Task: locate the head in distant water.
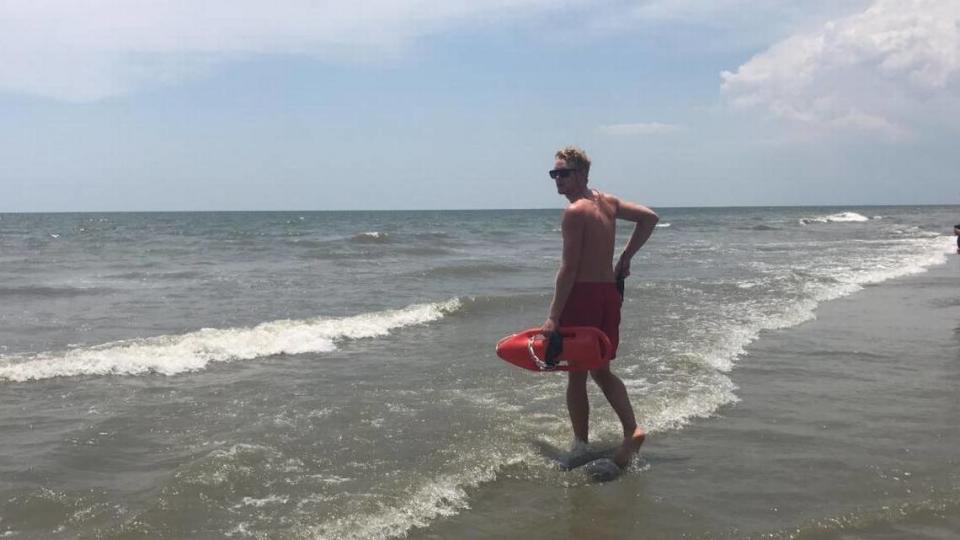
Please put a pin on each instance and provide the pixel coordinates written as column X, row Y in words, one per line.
column 571, row 170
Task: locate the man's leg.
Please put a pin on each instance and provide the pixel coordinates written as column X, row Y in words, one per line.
column 578, row 405
column 616, row 394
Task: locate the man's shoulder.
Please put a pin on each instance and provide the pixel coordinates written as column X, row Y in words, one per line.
column 610, row 199
column 579, row 210
column 577, row 207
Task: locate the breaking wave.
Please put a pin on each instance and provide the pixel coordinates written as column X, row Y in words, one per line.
column 842, row 217
column 194, row 351
column 371, row 237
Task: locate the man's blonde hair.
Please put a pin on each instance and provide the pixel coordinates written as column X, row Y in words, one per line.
column 575, row 157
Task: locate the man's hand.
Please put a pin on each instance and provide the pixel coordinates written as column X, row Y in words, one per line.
column 549, row 327
column 622, row 269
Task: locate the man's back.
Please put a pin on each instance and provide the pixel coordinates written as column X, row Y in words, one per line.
column 599, row 224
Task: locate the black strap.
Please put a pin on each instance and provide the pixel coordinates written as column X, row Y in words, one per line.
column 554, row 349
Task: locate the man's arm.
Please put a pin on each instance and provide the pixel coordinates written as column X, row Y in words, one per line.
column 572, row 228
column 645, row 219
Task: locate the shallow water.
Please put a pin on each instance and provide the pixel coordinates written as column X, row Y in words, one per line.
column 331, row 374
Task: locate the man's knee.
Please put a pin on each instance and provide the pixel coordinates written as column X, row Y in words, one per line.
column 602, row 375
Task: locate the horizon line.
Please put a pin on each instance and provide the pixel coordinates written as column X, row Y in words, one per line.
column 250, row 211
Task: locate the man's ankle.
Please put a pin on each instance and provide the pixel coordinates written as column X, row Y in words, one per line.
column 578, row 445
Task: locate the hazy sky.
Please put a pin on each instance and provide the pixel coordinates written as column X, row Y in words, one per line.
column 407, row 104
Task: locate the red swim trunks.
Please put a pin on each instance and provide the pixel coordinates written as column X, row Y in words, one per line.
column 595, row 304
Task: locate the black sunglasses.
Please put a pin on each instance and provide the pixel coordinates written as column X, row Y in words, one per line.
column 561, row 173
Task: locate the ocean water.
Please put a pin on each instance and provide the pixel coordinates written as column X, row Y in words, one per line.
column 332, row 375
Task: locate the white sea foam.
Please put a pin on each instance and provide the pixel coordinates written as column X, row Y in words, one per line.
column 443, row 496
column 373, row 235
column 662, row 225
column 331, row 479
column 170, row 355
column 707, row 396
column 701, row 402
column 843, row 217
column 260, row 503
column 844, row 282
column 242, row 529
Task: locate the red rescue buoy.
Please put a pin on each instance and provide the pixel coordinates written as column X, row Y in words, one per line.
column 584, row 348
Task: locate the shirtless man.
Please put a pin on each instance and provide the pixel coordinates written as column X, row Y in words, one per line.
column 586, row 292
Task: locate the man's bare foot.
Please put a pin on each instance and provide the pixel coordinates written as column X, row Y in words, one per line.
column 631, row 445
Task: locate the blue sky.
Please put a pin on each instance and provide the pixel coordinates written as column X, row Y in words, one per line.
column 233, row 105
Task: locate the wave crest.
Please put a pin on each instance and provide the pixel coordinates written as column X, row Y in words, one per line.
column 371, row 237
column 842, row 217
column 171, row 355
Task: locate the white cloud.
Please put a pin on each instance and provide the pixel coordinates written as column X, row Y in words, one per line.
column 88, row 50
column 724, row 24
column 648, row 128
column 892, row 69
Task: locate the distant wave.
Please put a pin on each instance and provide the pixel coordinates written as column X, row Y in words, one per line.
column 469, row 270
column 51, row 292
column 915, row 231
column 170, row 355
column 663, row 225
column 306, row 243
column 843, row 217
column 424, row 250
column 371, row 237
column 433, row 235
column 510, row 304
column 760, row 227
column 372, row 252
column 186, row 274
column 372, row 245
